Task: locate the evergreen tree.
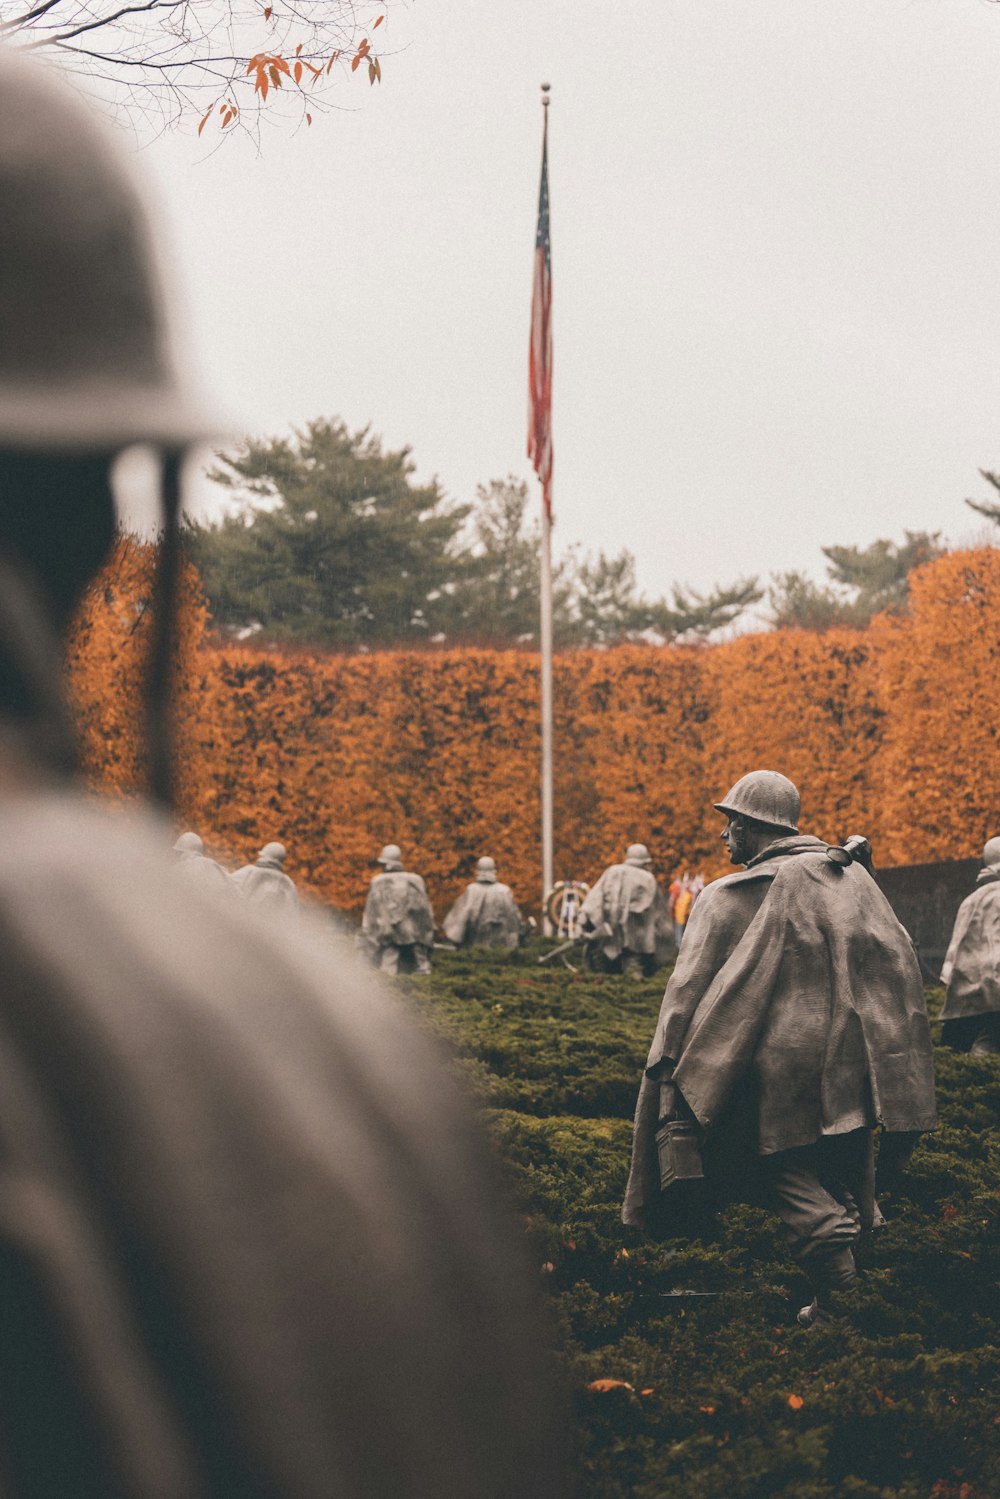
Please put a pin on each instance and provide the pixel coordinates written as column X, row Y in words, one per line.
column 331, row 542
column 989, row 508
column 866, row 581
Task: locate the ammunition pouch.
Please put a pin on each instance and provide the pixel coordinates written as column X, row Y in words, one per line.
column 678, row 1152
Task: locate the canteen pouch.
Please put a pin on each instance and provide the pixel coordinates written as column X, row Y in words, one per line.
column 678, row 1152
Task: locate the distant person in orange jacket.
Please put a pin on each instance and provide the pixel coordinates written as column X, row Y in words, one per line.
column 682, row 909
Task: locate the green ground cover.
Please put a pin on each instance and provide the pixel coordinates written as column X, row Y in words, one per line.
column 722, row 1394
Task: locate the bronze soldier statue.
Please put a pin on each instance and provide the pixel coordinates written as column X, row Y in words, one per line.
column 398, row 924
column 971, row 969
column 626, row 918
column 265, row 882
column 793, row 1025
column 194, row 865
column 250, row 1240
column 486, row 913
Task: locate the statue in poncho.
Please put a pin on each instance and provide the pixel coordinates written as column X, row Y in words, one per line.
column 251, row 1238
column 793, row 1024
column 195, row 867
column 971, row 969
column 398, row 925
column 486, row 913
column 265, row 883
column 627, row 919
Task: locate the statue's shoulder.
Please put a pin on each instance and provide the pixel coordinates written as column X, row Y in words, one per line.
column 730, row 886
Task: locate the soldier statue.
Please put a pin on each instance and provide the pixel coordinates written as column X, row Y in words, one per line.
column 398, row 923
column 486, row 913
column 971, row 969
column 793, row 1025
column 251, row 1239
column 194, row 865
column 265, row 883
column 626, row 918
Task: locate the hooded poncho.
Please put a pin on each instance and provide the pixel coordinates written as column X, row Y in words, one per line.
column 397, row 911
column 266, row 884
column 250, row 1241
column 796, row 983
column 628, row 908
column 485, row 915
column 972, row 964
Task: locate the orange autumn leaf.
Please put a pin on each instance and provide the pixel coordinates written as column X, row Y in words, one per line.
column 602, row 1386
column 796, row 1402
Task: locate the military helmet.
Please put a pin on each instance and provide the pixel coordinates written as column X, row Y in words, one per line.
column 991, row 853
column 766, row 796
column 189, row 843
column 275, row 851
column 637, row 853
column 486, row 870
column 391, row 854
column 85, row 358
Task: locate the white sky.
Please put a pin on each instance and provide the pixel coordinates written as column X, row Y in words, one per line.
column 776, row 265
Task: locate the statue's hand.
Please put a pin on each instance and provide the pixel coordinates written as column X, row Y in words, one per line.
column 668, row 1100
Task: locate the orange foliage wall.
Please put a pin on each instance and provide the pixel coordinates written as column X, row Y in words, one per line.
column 891, row 731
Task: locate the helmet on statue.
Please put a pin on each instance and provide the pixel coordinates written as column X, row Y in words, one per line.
column 767, row 797
column 86, row 364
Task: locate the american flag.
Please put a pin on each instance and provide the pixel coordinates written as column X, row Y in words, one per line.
column 540, row 350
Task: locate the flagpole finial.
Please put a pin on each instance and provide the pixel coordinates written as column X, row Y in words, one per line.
column 545, row 95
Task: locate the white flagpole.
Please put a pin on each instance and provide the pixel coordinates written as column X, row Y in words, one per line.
column 545, row 635
column 546, row 644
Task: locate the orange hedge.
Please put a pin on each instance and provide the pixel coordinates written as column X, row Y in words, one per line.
column 890, row 731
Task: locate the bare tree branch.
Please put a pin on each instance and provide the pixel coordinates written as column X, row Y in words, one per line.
column 250, row 61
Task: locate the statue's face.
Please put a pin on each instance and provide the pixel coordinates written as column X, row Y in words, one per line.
column 734, row 836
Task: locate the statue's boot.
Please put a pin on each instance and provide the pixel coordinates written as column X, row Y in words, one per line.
column 834, row 1276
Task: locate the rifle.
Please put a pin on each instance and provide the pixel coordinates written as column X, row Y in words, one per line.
column 582, row 939
column 576, row 941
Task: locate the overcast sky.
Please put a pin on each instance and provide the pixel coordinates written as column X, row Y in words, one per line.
column 776, row 265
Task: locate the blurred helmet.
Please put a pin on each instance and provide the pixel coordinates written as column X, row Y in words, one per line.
column 486, row 871
column 766, row 796
column 391, row 854
column 991, row 853
column 276, row 852
column 189, row 843
column 85, row 362
column 637, row 853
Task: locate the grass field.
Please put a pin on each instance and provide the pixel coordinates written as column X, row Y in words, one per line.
column 722, row 1394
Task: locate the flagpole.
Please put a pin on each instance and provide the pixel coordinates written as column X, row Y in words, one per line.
column 545, row 636
column 546, row 644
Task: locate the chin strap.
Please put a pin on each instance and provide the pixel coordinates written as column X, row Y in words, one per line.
column 160, row 675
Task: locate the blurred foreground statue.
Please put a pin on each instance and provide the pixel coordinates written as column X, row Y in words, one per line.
column 195, row 865
column 265, row 883
column 626, row 917
column 793, row 1023
column 486, row 913
column 971, row 969
column 398, row 923
column 250, row 1241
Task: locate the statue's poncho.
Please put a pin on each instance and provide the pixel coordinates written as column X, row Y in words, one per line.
column 628, row 908
column 972, row 964
column 397, row 911
column 251, row 1242
column 485, row 915
column 266, row 884
column 794, row 980
column 201, row 872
